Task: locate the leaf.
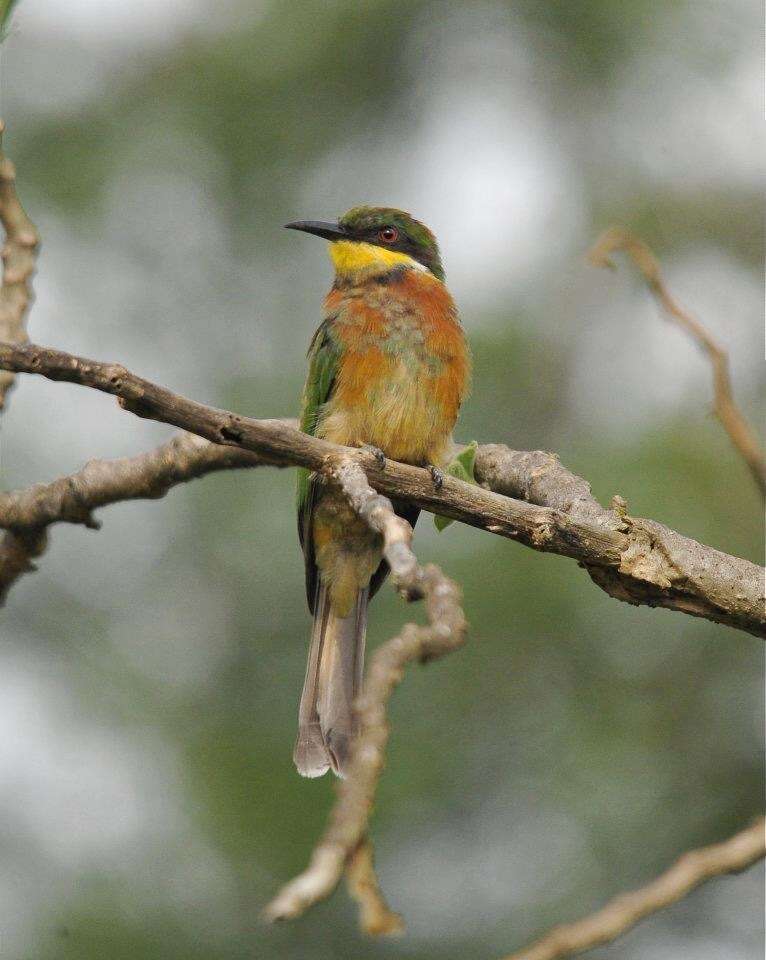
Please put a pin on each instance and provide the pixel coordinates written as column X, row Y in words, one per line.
column 462, row 468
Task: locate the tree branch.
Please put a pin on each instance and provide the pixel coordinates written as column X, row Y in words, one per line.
column 25, row 514
column 658, row 567
column 19, row 256
column 734, row 423
column 528, row 497
column 638, row 561
column 147, row 476
column 444, row 633
column 625, row 911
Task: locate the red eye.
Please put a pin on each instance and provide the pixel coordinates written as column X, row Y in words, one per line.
column 389, row 234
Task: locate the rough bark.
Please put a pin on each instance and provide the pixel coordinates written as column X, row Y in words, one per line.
column 635, row 560
column 19, row 256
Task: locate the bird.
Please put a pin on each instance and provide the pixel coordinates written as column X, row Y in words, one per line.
column 388, row 369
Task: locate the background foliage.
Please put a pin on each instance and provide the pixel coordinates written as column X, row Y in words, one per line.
column 149, row 674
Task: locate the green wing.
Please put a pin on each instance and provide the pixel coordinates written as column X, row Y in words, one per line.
column 324, row 355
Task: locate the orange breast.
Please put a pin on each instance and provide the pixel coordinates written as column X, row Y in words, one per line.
column 404, row 370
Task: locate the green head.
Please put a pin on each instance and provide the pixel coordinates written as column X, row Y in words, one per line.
column 387, row 228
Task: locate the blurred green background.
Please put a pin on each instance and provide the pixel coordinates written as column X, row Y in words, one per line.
column 149, row 674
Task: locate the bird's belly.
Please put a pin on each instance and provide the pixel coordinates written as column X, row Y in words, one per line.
column 405, row 408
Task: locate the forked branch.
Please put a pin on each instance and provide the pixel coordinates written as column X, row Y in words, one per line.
column 444, row 632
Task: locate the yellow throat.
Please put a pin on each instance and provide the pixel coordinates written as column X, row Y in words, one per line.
column 353, row 258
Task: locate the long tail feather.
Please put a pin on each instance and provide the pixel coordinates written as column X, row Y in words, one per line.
column 340, row 678
column 333, row 679
column 310, row 755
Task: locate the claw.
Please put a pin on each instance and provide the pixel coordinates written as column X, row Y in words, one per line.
column 380, row 457
column 437, row 476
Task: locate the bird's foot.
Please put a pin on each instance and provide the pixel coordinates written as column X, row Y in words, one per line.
column 437, row 476
column 380, row 457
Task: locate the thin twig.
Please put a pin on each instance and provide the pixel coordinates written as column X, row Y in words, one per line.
column 635, row 560
column 724, row 406
column 444, row 632
column 19, row 256
column 376, row 918
column 624, row 912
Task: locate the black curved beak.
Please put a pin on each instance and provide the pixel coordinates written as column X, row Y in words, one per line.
column 320, row 228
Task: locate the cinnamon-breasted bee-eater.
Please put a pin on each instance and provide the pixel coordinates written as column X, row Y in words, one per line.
column 388, row 369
